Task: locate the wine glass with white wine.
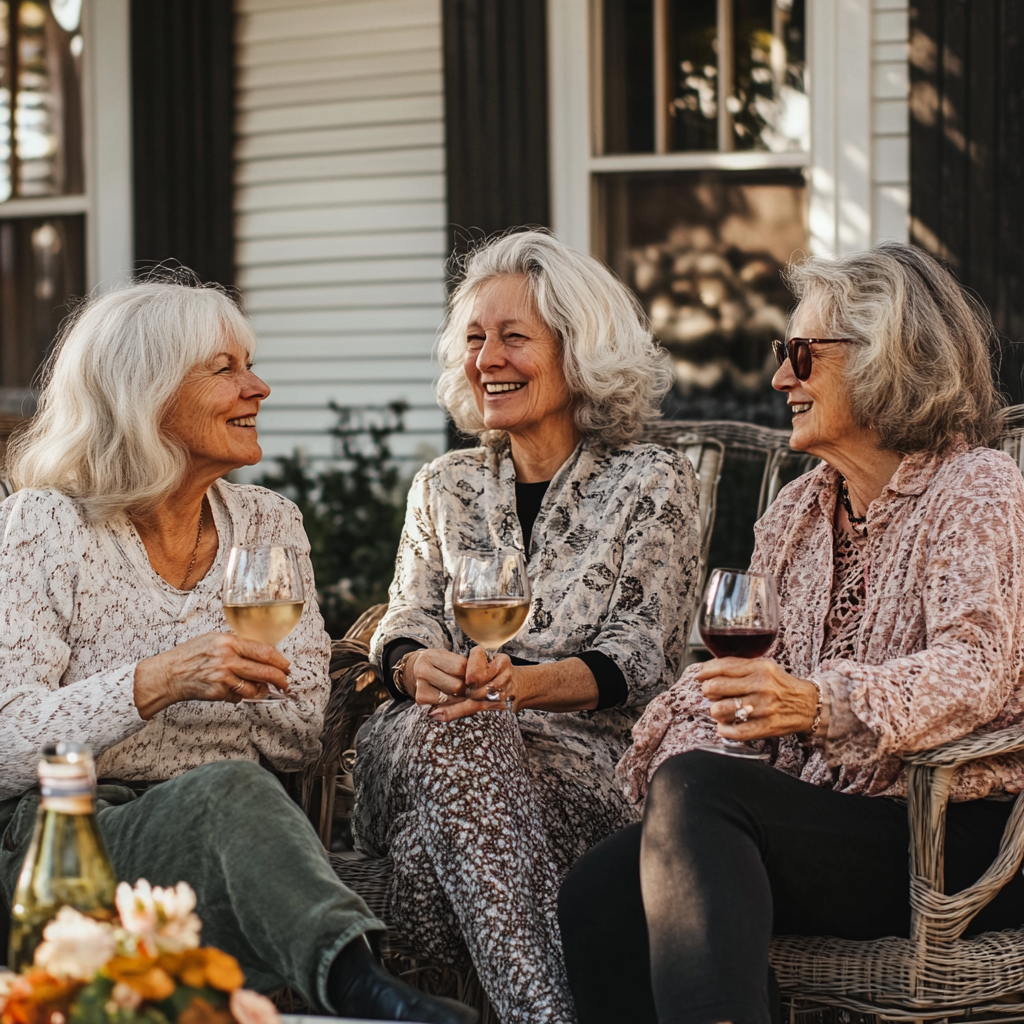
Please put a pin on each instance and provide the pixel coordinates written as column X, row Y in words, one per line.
column 491, row 600
column 263, row 597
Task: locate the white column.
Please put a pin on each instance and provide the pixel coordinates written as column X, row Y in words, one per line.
column 569, row 114
column 841, row 144
column 108, row 141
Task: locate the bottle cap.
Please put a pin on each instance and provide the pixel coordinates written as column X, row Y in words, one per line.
column 66, row 772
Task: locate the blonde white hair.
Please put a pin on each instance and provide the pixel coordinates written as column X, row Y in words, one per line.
column 615, row 371
column 921, row 374
column 98, row 435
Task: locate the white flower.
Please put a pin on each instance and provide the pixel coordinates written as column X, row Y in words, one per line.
column 75, row 946
column 123, row 997
column 161, row 919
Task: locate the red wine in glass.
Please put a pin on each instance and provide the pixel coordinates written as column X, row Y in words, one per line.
column 737, row 642
column 739, row 618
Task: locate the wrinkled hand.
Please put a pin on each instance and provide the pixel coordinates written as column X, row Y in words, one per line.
column 776, row 702
column 480, row 677
column 433, row 675
column 216, row 666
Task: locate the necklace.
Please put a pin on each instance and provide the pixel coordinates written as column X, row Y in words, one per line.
column 854, row 520
column 195, row 550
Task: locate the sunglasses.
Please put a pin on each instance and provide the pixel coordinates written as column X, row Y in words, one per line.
column 798, row 351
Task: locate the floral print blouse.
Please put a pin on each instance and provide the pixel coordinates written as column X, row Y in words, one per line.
column 613, row 560
column 80, row 605
column 939, row 646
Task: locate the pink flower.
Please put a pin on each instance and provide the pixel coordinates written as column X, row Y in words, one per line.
column 248, row 1007
column 75, row 946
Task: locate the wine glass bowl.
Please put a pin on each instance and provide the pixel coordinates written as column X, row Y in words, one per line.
column 263, row 596
column 739, row 618
column 491, row 598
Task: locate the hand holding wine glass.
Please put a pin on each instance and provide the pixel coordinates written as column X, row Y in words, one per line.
column 739, row 618
column 491, row 601
column 263, row 596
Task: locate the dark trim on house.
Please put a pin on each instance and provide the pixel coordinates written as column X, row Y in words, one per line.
column 967, row 154
column 182, row 56
column 496, row 116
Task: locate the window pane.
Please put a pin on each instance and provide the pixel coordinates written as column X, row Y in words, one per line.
column 40, row 98
column 704, row 252
column 693, row 66
column 768, row 102
column 628, row 76
column 42, row 264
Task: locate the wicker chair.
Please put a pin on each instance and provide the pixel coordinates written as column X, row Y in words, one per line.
column 935, row 973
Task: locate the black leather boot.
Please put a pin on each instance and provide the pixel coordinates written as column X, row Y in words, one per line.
column 360, row 987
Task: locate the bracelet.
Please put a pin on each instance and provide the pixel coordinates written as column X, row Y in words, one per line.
column 818, row 708
column 398, row 671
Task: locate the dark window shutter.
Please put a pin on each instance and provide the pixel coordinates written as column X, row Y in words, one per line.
column 496, row 118
column 967, row 154
column 183, row 127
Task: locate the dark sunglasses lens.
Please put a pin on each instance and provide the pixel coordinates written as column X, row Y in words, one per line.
column 801, row 355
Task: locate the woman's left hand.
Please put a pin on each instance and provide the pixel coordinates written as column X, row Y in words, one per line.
column 773, row 702
column 482, row 676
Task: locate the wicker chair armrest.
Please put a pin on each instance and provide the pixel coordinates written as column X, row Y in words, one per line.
column 971, row 748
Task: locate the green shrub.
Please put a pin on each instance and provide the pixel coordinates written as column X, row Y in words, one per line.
column 353, row 513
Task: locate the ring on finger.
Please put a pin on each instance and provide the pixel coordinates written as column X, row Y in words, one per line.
column 493, row 695
column 442, row 698
column 743, row 712
column 238, row 688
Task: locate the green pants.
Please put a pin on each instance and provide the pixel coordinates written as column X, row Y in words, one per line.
column 265, row 888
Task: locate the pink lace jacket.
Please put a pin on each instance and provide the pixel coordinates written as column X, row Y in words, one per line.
column 940, row 646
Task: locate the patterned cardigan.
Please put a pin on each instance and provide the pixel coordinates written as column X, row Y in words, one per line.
column 613, row 562
column 940, row 645
column 80, row 605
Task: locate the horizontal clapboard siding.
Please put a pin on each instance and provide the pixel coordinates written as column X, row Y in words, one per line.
column 890, row 121
column 341, row 219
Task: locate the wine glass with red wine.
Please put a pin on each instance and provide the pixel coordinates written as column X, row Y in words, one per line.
column 739, row 618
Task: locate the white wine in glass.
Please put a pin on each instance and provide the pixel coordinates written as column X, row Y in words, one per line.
column 263, row 597
column 491, row 599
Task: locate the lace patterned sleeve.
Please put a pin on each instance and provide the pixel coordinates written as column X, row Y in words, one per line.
column 648, row 621
column 416, row 598
column 973, row 609
column 37, row 602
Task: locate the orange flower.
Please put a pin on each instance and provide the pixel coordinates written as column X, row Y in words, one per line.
column 143, row 974
column 34, row 998
column 206, row 966
column 199, row 1011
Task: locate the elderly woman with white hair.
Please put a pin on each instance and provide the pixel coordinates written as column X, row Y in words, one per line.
column 112, row 634
column 900, row 567
column 549, row 360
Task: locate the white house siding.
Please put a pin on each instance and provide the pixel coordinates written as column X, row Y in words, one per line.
column 341, row 218
column 890, row 120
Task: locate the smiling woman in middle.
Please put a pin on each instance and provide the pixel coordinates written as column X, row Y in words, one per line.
column 548, row 359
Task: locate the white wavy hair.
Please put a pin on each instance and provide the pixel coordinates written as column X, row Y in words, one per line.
column 119, row 361
column 615, row 371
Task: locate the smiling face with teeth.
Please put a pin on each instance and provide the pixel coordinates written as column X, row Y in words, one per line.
column 214, row 414
column 513, row 361
column 823, row 422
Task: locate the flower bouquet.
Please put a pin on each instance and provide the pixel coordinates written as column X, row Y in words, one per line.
column 148, row 968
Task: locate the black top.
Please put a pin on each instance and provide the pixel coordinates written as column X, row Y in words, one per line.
column 611, row 684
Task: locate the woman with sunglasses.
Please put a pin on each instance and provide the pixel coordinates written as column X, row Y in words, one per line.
column 900, row 568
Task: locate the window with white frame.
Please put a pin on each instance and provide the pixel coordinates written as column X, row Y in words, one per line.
column 699, row 126
column 42, row 182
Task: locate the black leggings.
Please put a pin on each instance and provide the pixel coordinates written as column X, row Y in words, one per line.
column 669, row 921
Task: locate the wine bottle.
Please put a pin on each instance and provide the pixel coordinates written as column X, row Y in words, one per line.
column 67, row 862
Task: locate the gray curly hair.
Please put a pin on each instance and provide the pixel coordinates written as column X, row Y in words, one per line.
column 616, row 372
column 922, row 373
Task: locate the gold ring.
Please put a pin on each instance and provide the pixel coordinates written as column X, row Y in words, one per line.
column 442, row 698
